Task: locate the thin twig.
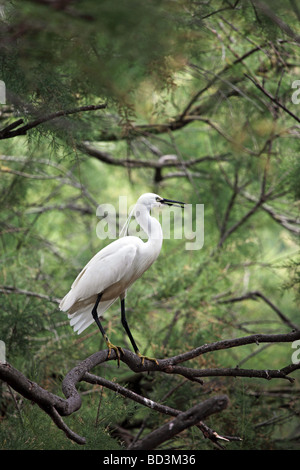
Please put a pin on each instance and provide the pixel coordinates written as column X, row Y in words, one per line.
column 252, row 296
column 272, row 98
column 16, row 290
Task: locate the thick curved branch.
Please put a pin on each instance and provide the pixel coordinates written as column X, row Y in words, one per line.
column 56, row 407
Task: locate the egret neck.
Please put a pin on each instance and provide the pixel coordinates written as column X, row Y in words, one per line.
column 151, row 227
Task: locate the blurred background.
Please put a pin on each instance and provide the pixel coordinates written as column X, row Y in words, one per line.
column 191, row 100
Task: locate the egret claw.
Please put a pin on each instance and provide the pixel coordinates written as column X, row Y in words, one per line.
column 117, row 349
column 146, row 357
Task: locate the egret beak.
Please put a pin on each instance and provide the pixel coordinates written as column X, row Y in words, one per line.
column 170, row 202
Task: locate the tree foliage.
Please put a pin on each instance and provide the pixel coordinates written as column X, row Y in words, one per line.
column 194, row 101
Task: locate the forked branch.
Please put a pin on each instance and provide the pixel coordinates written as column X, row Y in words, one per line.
column 56, row 406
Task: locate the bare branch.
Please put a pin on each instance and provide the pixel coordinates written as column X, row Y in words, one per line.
column 8, row 132
column 230, row 205
column 165, row 161
column 272, row 98
column 56, row 418
column 252, row 296
column 207, row 432
column 56, row 406
column 16, row 290
column 263, row 197
column 266, row 10
column 85, row 210
column 182, row 421
column 232, row 343
column 295, row 8
column 240, row 222
column 287, row 221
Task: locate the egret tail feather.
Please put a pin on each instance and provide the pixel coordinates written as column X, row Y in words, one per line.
column 82, row 318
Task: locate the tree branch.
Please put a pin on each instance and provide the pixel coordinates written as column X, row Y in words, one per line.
column 56, row 407
column 16, row 290
column 292, row 224
column 165, row 161
column 207, row 432
column 253, row 295
column 8, row 132
column 182, row 421
column 240, row 222
column 232, row 343
column 272, row 98
column 263, row 197
column 266, row 10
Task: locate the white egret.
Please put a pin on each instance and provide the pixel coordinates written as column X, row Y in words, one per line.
column 109, row 274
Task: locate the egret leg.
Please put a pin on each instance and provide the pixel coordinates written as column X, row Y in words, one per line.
column 126, row 327
column 109, row 344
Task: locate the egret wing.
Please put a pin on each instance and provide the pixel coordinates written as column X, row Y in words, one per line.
column 107, row 267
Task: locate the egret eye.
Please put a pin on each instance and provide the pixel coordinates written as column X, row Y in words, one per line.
column 158, row 199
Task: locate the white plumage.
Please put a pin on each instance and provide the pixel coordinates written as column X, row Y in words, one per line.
column 109, row 274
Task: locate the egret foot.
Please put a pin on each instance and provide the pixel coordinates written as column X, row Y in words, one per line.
column 146, row 357
column 117, row 349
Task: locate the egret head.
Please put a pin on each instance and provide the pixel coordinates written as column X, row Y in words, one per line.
column 144, row 204
column 150, row 200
